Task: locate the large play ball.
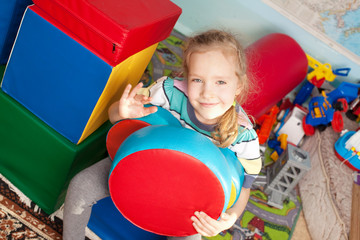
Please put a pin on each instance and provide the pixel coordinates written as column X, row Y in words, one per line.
column 236, row 173
column 121, row 130
column 162, row 174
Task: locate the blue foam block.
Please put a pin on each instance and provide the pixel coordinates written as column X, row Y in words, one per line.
column 107, row 223
column 55, row 77
column 11, row 13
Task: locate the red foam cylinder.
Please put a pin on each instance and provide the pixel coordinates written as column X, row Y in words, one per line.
column 276, row 65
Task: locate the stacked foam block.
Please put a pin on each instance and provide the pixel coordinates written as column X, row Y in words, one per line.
column 10, row 16
column 70, row 61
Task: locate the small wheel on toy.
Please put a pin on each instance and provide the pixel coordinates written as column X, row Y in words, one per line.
column 309, row 130
column 337, row 123
column 321, row 127
column 350, row 115
column 341, row 105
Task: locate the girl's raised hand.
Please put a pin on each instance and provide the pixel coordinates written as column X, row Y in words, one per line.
column 131, row 105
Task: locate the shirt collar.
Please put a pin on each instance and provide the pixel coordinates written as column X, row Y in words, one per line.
column 193, row 118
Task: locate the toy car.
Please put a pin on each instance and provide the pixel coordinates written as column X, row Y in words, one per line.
column 326, row 109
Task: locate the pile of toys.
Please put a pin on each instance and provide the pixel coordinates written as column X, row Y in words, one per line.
column 283, row 128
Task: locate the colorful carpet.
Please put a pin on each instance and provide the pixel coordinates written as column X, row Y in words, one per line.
column 18, row 221
column 261, row 221
column 166, row 61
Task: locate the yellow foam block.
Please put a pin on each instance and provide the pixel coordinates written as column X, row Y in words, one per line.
column 128, row 71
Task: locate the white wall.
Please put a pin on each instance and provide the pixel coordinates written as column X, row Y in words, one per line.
column 254, row 19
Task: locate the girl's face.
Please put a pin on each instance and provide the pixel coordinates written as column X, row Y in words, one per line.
column 212, row 84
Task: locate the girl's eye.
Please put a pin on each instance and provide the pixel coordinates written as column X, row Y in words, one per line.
column 221, row 82
column 197, row 80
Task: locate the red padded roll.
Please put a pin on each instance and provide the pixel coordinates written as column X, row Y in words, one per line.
column 276, row 64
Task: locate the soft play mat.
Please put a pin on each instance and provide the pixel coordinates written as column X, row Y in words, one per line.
column 261, row 221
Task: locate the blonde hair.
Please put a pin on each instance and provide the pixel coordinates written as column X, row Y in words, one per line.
column 226, row 130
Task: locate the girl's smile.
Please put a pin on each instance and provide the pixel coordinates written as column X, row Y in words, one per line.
column 209, row 105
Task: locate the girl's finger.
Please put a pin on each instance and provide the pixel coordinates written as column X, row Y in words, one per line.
column 207, row 221
column 146, row 100
column 149, row 110
column 200, row 228
column 125, row 94
column 135, row 90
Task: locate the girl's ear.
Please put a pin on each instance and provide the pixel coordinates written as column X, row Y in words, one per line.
column 238, row 89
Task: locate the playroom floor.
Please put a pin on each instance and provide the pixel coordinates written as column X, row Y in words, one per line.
column 301, row 231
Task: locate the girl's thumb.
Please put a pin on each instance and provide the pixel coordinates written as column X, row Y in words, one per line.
column 224, row 216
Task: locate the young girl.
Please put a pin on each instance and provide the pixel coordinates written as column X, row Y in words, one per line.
column 207, row 102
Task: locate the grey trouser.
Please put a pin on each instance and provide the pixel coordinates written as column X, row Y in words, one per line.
column 85, row 189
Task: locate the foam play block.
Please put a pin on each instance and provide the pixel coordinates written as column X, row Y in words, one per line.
column 276, row 64
column 108, row 223
column 11, row 13
column 61, row 81
column 39, row 161
column 2, row 69
column 115, row 29
column 159, row 178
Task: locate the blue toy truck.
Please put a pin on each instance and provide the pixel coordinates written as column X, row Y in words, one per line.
column 326, row 109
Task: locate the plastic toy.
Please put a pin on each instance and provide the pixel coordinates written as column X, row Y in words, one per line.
column 285, row 174
column 279, row 145
column 158, row 178
column 316, row 78
column 327, row 108
column 292, row 125
column 347, row 149
column 353, row 112
column 266, row 123
column 320, row 73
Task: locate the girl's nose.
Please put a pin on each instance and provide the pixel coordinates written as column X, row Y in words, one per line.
column 207, row 90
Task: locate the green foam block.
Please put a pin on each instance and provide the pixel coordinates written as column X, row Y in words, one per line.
column 39, row 161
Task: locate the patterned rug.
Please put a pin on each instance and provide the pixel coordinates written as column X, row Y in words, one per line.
column 18, row 221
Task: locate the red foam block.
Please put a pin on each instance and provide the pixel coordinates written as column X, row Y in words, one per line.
column 115, row 29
